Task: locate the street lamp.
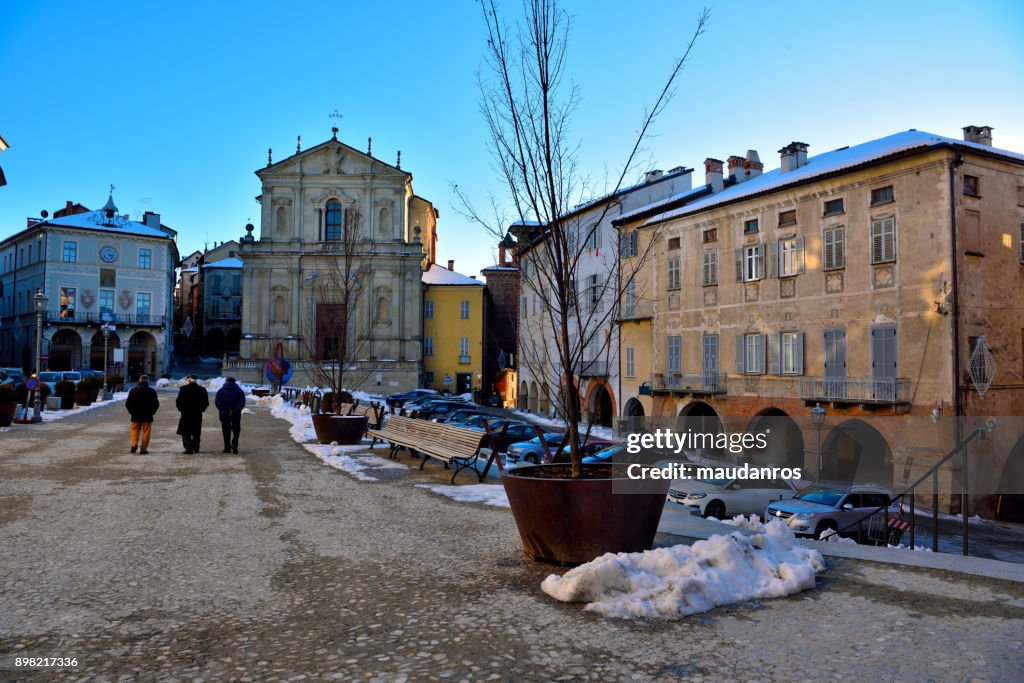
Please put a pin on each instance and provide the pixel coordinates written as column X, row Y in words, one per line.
column 106, row 342
column 818, row 418
column 40, row 300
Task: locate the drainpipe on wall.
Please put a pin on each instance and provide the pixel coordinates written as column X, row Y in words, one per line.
column 957, row 400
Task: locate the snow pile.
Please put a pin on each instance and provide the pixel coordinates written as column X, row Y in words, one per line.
column 338, row 457
column 832, row 536
column 751, row 523
column 684, row 580
column 164, row 382
column 558, row 424
column 300, row 419
column 488, row 494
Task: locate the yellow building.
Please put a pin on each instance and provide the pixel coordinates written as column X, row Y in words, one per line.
column 453, row 330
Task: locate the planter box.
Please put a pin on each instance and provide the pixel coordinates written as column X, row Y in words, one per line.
column 84, row 397
column 342, row 429
column 571, row 521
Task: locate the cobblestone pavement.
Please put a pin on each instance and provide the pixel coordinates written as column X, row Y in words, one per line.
column 269, row 566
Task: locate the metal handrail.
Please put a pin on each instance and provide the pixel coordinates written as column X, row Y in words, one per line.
column 933, row 472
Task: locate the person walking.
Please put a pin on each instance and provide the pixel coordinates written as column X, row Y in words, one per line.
column 142, row 404
column 230, row 400
column 192, row 402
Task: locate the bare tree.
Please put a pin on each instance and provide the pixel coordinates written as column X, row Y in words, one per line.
column 528, row 106
column 339, row 325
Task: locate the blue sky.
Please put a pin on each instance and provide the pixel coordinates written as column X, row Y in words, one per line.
column 177, row 103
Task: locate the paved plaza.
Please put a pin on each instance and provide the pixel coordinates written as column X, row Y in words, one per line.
column 270, row 566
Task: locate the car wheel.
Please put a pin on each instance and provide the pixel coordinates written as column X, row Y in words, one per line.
column 827, row 525
column 716, row 509
column 531, row 458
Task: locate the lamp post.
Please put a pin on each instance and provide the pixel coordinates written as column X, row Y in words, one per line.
column 40, row 300
column 106, row 343
column 818, row 418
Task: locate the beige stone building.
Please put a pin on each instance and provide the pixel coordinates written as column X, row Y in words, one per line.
column 873, row 280
column 309, row 203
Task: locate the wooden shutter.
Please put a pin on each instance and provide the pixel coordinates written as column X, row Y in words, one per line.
column 740, row 348
column 759, row 263
column 762, row 342
column 798, row 257
column 774, row 354
column 883, row 240
column 828, row 249
column 774, row 259
column 739, row 265
column 799, row 353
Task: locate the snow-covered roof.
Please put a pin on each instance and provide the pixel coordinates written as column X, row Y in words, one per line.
column 438, row 275
column 680, row 196
column 96, row 220
column 498, row 268
column 230, row 262
column 823, row 164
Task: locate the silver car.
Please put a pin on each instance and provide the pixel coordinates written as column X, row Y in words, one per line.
column 721, row 498
column 824, row 507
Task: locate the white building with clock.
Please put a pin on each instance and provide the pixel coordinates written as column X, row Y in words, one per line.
column 97, row 270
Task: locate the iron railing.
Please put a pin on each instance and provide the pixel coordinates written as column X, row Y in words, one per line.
column 845, row 390
column 705, row 383
column 594, row 368
column 133, row 319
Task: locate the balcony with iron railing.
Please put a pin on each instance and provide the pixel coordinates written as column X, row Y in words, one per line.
column 130, row 319
column 888, row 390
column 709, row 383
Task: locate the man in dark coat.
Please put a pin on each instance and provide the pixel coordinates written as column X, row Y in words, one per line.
column 193, row 400
column 230, row 400
column 142, row 405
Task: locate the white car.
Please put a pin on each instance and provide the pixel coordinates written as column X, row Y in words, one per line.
column 722, row 498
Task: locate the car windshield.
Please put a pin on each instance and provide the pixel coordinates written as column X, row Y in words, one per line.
column 819, row 494
column 715, row 482
column 49, row 376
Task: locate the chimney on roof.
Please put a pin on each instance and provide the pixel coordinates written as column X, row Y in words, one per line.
column 713, row 174
column 736, row 168
column 794, row 155
column 979, row 134
column 68, row 206
column 752, row 164
column 651, row 176
column 151, row 219
column 677, row 169
column 451, row 265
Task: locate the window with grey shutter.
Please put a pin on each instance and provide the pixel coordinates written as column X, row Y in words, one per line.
column 710, row 268
column 833, row 245
column 774, row 354
column 791, row 347
column 740, row 349
column 675, row 354
column 673, row 273
column 883, row 240
column 1021, row 243
column 739, row 265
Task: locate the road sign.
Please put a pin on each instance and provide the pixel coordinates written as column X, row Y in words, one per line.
column 447, row 379
column 32, row 384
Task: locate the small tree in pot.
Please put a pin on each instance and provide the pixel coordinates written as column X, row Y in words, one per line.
column 65, row 391
column 528, row 115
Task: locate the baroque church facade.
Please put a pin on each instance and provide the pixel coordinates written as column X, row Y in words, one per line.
column 332, row 214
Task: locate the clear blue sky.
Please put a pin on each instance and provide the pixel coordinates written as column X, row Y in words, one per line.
column 177, row 103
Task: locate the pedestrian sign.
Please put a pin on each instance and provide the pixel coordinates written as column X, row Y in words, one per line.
column 447, row 379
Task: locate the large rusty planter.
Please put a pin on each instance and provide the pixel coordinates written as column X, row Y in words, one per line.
column 7, row 411
column 342, row 429
column 571, row 521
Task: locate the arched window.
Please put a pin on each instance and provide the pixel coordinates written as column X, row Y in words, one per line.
column 332, row 222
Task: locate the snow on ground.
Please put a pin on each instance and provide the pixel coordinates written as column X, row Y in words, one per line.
column 334, row 455
column 51, row 415
column 689, row 579
column 488, row 494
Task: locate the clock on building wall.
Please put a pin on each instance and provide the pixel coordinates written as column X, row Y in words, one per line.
column 108, row 254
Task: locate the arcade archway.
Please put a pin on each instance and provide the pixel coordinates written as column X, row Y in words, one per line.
column 856, row 452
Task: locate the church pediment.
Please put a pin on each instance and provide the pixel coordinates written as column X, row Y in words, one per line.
column 333, row 158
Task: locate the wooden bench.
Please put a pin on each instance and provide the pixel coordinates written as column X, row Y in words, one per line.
column 447, row 443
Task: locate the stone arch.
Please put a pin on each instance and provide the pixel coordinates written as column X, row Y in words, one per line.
column 533, row 402
column 1009, row 498
column 524, row 395
column 854, row 451
column 785, row 439
column 141, row 355
column 699, row 417
column 634, row 414
column 65, row 350
column 97, row 348
column 600, row 403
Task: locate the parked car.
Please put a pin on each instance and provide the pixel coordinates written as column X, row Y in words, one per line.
column 12, row 375
column 591, row 447
column 422, row 404
column 71, row 376
column 532, row 451
column 727, row 497
column 50, row 379
column 400, row 399
column 437, row 409
column 89, row 372
column 504, row 433
column 822, row 507
column 458, row 416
